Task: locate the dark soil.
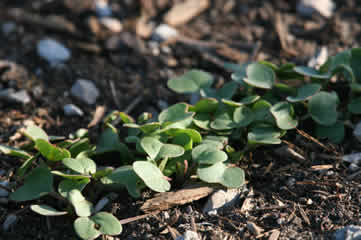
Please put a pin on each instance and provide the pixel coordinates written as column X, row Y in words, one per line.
column 289, row 195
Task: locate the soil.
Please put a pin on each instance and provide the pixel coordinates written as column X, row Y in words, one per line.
column 288, row 195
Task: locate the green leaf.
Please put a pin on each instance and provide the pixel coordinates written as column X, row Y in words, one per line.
column 151, row 175
column 323, row 108
column 82, row 207
column 283, row 113
column 202, row 120
column 80, row 146
column 174, row 113
column 334, row 133
column 124, row 176
column 193, row 134
column 223, row 118
column 108, row 224
column 10, row 151
column 67, row 185
column 34, row 133
column 226, row 92
column 310, row 72
column 355, row 106
column 108, row 141
column 355, row 87
column 264, row 135
column 85, row 228
column 231, row 177
column 183, row 140
column 207, row 154
column 261, row 111
column 218, row 141
column 146, row 128
column 50, row 151
column 205, row 105
column 46, row 210
column 242, row 116
column 356, row 63
column 158, row 150
column 26, row 164
column 342, row 58
column 259, row 75
column 305, row 92
column 190, row 82
column 37, row 184
column 102, row 172
column 70, row 176
column 84, row 166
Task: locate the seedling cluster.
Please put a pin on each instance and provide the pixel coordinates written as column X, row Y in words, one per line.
column 200, row 142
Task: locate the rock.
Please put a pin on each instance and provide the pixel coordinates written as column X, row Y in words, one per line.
column 72, row 110
column 357, row 131
column 14, row 75
column 102, row 8
column 10, row 95
column 9, row 221
column 8, row 27
column 112, row 24
column 350, row 232
column 253, row 228
column 162, row 104
column 189, row 235
column 221, row 199
column 354, row 158
column 184, row 11
column 308, row 7
column 53, row 51
column 319, row 59
column 164, row 32
column 4, row 192
column 85, row 91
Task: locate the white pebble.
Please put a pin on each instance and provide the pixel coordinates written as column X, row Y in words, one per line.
column 307, row 7
column 112, row 24
column 102, row 8
column 85, row 91
column 53, row 51
column 164, row 32
column 72, row 110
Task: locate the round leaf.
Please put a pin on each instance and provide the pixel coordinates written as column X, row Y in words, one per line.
column 323, row 108
column 151, row 175
column 310, row 72
column 34, row 133
column 264, row 135
column 283, row 112
column 305, row 92
column 190, row 82
column 177, row 112
column 83, row 207
column 259, row 75
column 46, row 210
column 14, row 152
column 67, row 185
column 51, row 152
column 38, row 183
column 202, row 120
column 207, row 154
column 84, row 166
column 355, row 106
column 334, row 133
column 205, row 105
column 108, row 224
column 242, row 116
column 85, row 228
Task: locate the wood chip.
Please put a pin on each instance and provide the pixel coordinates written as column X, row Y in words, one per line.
column 183, row 12
column 275, row 235
column 247, row 203
column 97, row 117
column 282, row 32
column 304, row 216
column 321, row 167
column 253, row 228
column 167, row 200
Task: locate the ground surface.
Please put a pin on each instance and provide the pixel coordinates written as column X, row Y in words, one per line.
column 289, row 195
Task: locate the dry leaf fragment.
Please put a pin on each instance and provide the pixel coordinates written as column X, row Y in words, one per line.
column 167, row 200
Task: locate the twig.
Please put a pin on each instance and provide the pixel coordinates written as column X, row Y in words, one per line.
column 133, row 104
column 282, row 35
column 136, row 218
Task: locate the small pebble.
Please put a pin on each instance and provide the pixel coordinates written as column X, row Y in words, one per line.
column 102, row 8
column 357, row 131
column 10, row 95
column 72, row 110
column 112, row 24
column 4, row 192
column 350, row 232
column 308, row 7
column 53, row 51
column 162, row 104
column 189, row 235
column 220, row 199
column 9, row 221
column 163, row 32
column 85, row 91
column 8, row 27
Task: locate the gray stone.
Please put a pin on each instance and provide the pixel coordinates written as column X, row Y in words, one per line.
column 9, row 221
column 8, row 27
column 350, row 232
column 164, row 32
column 85, row 91
column 221, row 199
column 53, row 51
column 112, row 24
column 4, row 192
column 354, row 158
column 72, row 110
column 10, row 95
column 102, row 8
column 189, row 235
column 357, row 131
column 308, row 7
